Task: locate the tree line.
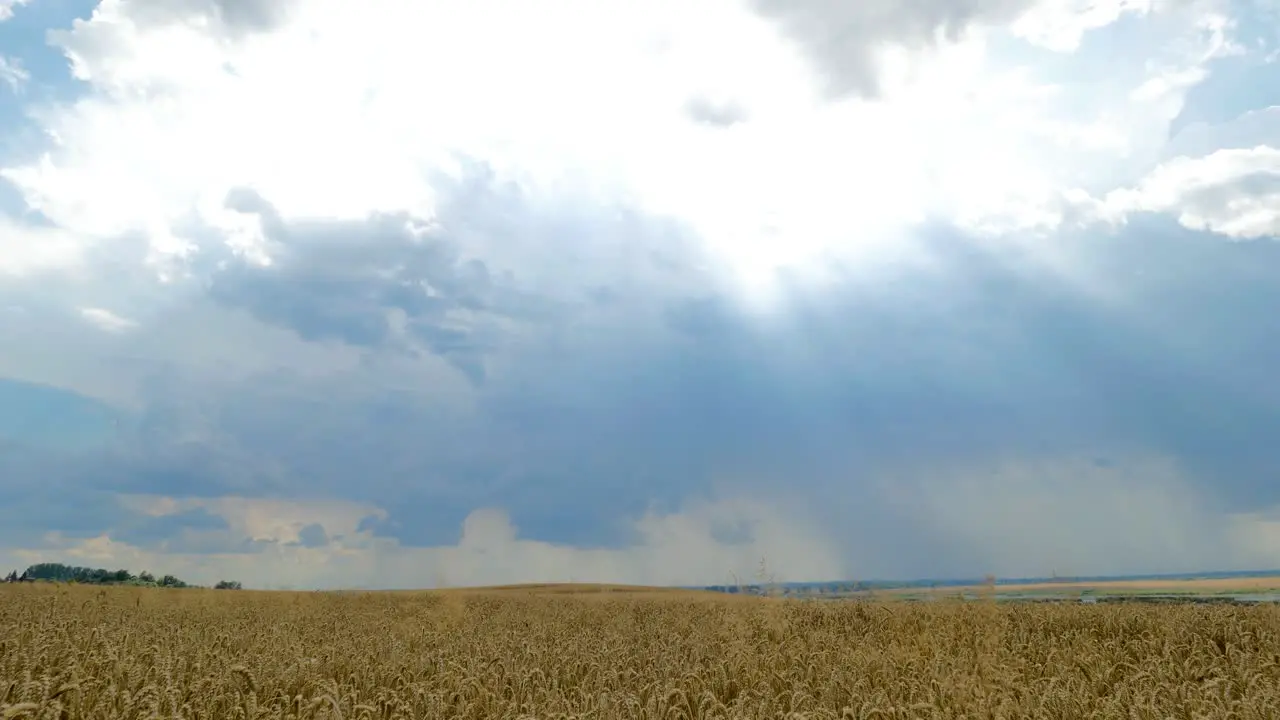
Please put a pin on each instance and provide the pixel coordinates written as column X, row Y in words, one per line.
column 57, row 572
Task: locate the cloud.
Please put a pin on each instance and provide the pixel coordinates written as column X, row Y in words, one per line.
column 854, row 44
column 862, row 397
column 1073, row 515
column 843, row 38
column 718, row 114
column 7, row 8
column 231, row 15
column 397, row 280
column 106, row 320
column 670, row 295
column 31, row 250
column 1060, row 25
column 13, row 74
column 1027, row 137
column 46, row 416
column 260, row 548
column 1231, row 192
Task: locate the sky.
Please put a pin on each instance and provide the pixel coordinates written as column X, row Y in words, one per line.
column 410, row 293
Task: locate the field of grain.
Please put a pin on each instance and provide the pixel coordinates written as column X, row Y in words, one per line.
column 79, row 652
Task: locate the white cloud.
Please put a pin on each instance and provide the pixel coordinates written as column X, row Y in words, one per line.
column 7, row 7
column 13, row 74
column 1059, row 25
column 106, row 320
column 1233, row 192
column 343, row 111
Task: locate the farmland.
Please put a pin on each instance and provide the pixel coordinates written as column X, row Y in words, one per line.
column 546, row 651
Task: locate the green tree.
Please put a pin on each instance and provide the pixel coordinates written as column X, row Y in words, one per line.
column 57, row 572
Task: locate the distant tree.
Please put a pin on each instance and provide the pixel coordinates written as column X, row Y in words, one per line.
column 227, row 585
column 57, row 572
column 11, row 577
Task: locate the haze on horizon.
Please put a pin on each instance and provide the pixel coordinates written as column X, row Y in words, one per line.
column 416, row 293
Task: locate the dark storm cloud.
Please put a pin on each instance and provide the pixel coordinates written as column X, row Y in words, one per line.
column 1157, row 342
column 988, row 355
column 336, row 281
column 394, row 280
column 52, row 417
column 313, row 536
column 151, row 532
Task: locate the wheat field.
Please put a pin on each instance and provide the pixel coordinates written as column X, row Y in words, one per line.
column 80, row 652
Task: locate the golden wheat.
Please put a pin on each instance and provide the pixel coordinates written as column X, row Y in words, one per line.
column 68, row 652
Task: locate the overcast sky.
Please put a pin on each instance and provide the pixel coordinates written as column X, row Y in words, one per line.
column 410, row 293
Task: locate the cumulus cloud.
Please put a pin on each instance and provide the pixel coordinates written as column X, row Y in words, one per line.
column 1233, row 192
column 650, row 71
column 855, row 44
column 395, row 295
